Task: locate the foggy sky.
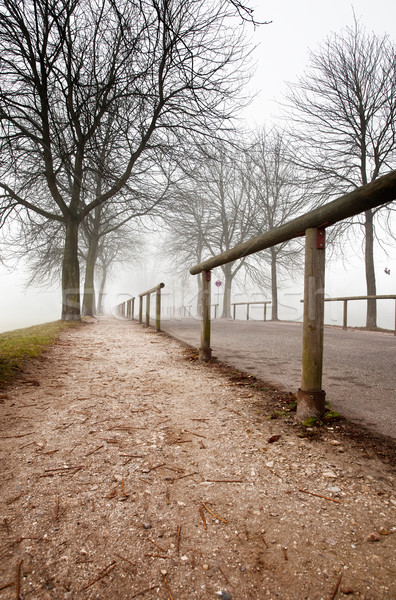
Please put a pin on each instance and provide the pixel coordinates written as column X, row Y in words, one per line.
column 281, row 56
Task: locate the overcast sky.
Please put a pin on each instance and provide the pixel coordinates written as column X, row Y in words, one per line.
column 298, row 27
column 282, row 55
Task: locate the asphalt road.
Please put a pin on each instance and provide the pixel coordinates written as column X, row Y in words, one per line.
column 359, row 373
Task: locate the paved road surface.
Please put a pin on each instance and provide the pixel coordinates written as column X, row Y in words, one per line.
column 359, row 374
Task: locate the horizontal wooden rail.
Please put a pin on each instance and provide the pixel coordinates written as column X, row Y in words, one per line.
column 157, row 291
column 312, row 225
column 346, row 299
column 154, row 289
column 378, row 192
column 380, row 297
column 265, row 302
column 126, row 309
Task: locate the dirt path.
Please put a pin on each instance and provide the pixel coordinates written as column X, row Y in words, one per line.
column 130, row 471
column 359, row 367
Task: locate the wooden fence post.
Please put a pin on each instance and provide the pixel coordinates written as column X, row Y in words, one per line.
column 140, row 309
column 205, row 351
column 147, row 310
column 345, row 315
column 311, row 397
column 158, row 309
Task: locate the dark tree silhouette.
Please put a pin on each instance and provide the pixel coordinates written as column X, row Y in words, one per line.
column 161, row 71
column 344, row 123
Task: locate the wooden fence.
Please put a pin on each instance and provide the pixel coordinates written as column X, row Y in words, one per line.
column 127, row 309
column 247, row 304
column 157, row 291
column 312, row 225
column 347, row 299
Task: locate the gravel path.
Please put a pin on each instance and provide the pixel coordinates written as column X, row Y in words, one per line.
column 130, row 470
column 359, row 369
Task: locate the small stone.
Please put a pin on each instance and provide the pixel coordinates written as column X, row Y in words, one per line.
column 384, row 531
column 146, row 526
column 331, row 542
column 205, row 567
column 224, row 595
column 184, row 557
column 373, row 537
column 335, row 443
column 243, row 569
column 164, row 571
column 329, row 474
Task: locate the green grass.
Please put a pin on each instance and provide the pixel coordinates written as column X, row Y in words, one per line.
column 21, row 345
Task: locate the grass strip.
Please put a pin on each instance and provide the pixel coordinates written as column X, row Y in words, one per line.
column 21, row 345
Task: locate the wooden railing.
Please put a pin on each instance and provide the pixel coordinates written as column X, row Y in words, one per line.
column 312, row 225
column 347, row 299
column 126, row 309
column 235, row 304
column 157, row 291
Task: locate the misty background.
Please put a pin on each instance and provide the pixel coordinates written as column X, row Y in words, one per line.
column 281, row 56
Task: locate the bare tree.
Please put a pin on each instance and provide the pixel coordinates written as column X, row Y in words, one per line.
column 186, row 221
column 344, row 117
column 149, row 189
column 217, row 211
column 160, row 71
column 119, row 248
column 278, row 198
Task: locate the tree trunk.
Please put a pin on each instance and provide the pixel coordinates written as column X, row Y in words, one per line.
column 88, row 308
column 371, row 320
column 101, row 291
column 71, row 274
column 199, row 296
column 274, row 286
column 226, row 314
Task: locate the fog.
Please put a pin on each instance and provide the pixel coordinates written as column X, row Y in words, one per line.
column 281, row 56
column 20, row 307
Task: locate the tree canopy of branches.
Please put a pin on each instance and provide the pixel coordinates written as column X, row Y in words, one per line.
column 119, row 247
column 215, row 211
column 344, row 118
column 158, row 71
column 278, row 197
